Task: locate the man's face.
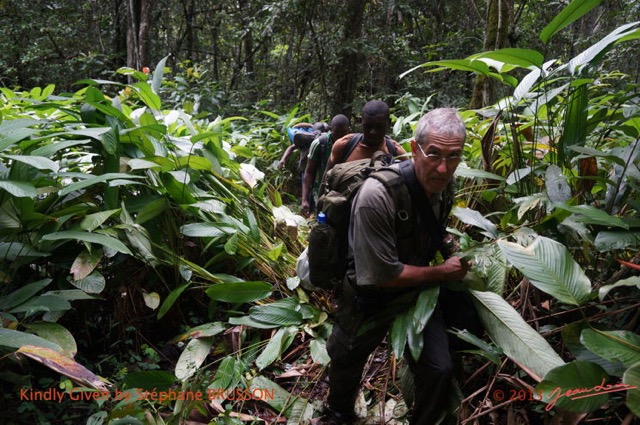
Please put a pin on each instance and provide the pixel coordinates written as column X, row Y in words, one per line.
column 340, row 132
column 374, row 128
column 436, row 161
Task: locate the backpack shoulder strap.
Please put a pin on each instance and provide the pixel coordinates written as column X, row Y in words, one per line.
column 353, row 142
column 434, row 226
column 391, row 147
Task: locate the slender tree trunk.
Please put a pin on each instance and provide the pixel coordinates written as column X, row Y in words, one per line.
column 499, row 18
column 348, row 67
column 138, row 27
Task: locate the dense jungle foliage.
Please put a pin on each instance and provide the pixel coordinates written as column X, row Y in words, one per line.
column 148, row 239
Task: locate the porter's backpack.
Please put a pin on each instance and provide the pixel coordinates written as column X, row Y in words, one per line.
column 328, row 239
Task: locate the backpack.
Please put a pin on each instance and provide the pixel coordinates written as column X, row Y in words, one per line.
column 302, row 137
column 328, row 238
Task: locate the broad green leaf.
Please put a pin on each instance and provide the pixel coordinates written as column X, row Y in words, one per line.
column 549, row 267
column 39, row 162
column 613, row 241
column 486, row 350
column 21, row 295
column 574, row 129
column 524, row 58
column 455, row 64
column 425, row 306
column 202, row 331
column 276, row 315
column 632, row 281
column 94, row 283
column 277, row 344
column 231, row 246
column 16, row 339
column 513, row 335
column 194, row 354
column 19, row 189
column 318, row 350
column 202, row 230
column 14, row 250
column 228, row 374
column 147, row 95
column 588, row 214
column 64, row 365
column 474, row 218
column 42, row 303
column 194, row 162
column 240, row 292
column 12, row 131
column 615, row 346
column 100, row 239
column 150, row 380
column 571, row 337
column 631, row 379
column 577, row 386
column 56, row 333
column 95, row 220
column 158, row 73
column 281, row 400
column 252, row 323
column 574, row 11
column 90, row 181
column 171, row 299
column 472, row 173
column 85, row 263
column 556, row 184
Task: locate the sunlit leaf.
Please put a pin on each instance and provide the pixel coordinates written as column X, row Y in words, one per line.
column 513, row 335
column 474, row 218
column 19, row 189
column 549, row 267
column 574, row 11
column 520, row 57
column 632, row 281
column 39, row 162
column 194, row 354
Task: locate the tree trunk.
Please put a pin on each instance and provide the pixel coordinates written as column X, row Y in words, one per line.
column 138, row 27
column 347, row 70
column 499, row 18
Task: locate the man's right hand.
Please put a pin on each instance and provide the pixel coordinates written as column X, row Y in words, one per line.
column 455, row 268
column 304, row 208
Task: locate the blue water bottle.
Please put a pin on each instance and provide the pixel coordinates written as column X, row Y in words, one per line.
column 322, row 218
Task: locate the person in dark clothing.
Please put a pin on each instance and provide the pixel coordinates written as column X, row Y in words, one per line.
column 381, row 272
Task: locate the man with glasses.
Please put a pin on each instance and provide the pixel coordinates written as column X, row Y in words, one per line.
column 383, row 271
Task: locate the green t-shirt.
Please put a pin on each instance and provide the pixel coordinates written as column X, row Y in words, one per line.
column 320, row 155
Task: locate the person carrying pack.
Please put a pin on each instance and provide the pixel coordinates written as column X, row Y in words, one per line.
column 395, row 227
column 317, row 161
column 375, row 124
